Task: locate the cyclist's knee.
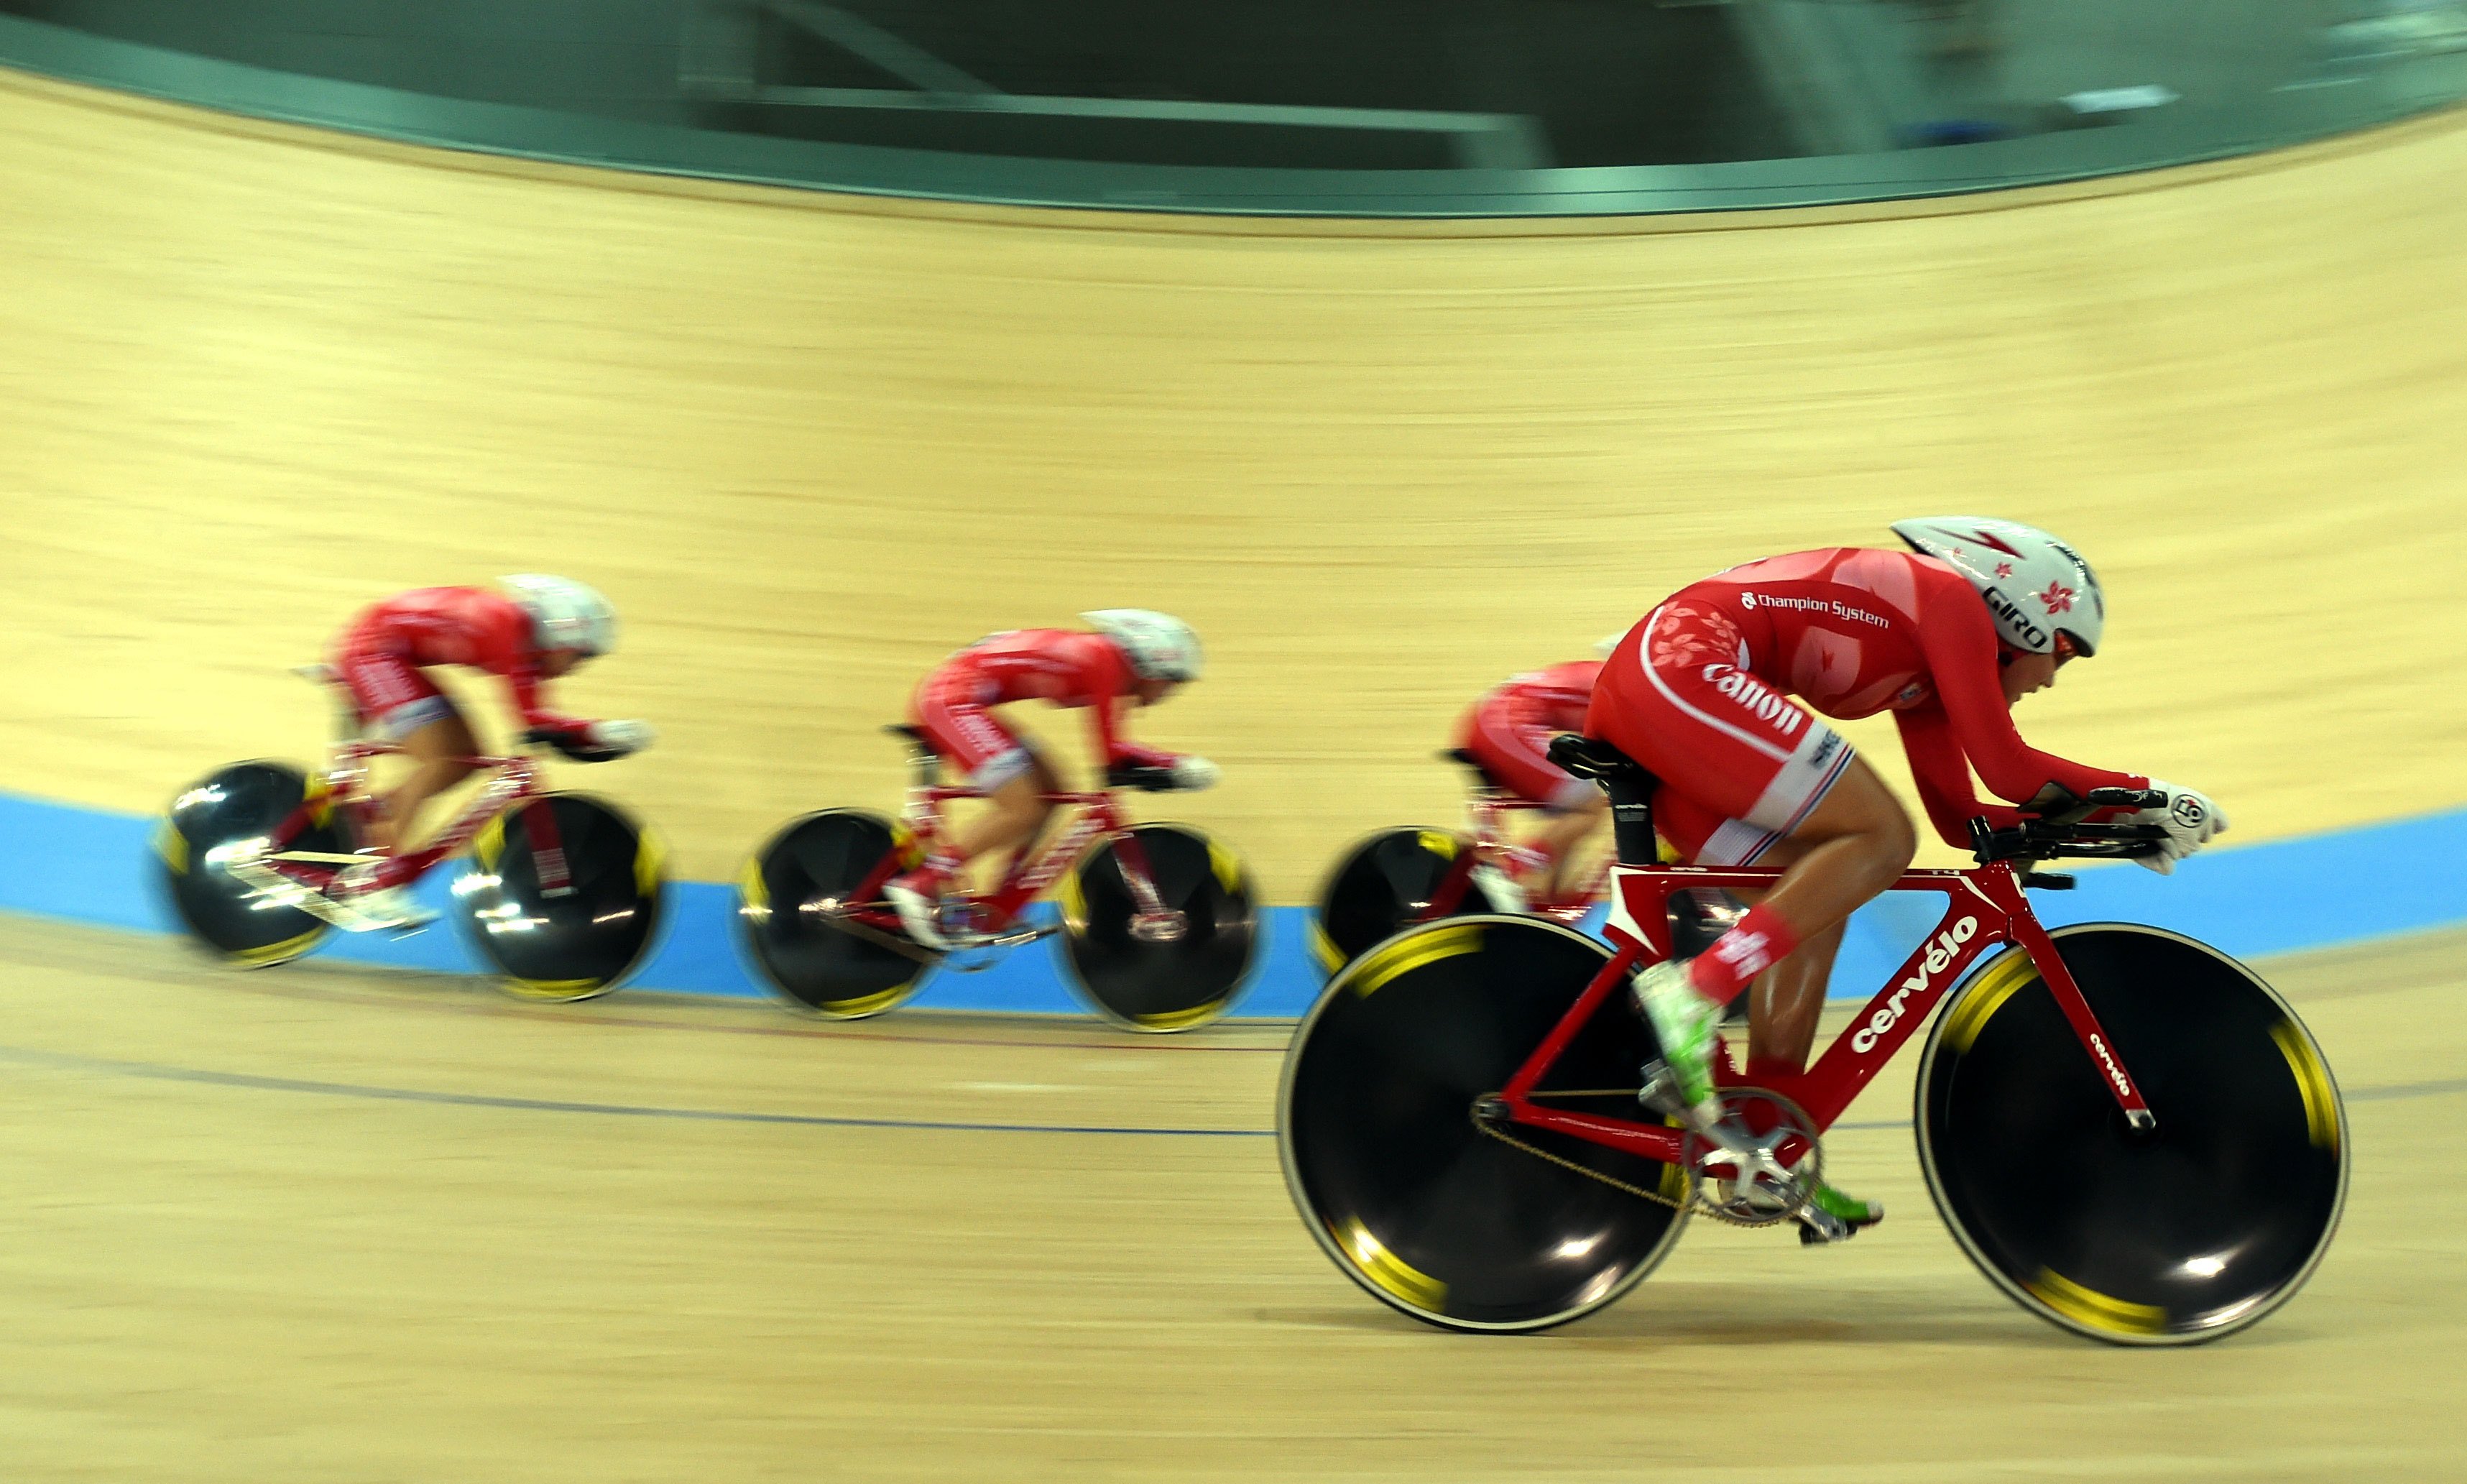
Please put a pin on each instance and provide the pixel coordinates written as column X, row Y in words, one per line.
column 1863, row 809
column 446, row 739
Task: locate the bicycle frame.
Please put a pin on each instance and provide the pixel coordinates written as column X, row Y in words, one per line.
column 518, row 778
column 1984, row 909
column 1031, row 871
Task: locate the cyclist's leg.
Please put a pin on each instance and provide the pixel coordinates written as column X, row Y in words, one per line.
column 1564, row 831
column 1012, row 779
column 437, row 750
column 1739, row 752
column 1015, row 814
column 1856, row 843
column 398, row 704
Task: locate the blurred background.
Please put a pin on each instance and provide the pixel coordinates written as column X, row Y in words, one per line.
column 1398, row 84
column 1400, row 348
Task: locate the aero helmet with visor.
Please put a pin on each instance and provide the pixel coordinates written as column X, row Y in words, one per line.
column 2036, row 587
column 1159, row 645
column 565, row 614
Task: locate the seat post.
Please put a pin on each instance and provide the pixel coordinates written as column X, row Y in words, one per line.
column 1632, row 834
column 1629, row 786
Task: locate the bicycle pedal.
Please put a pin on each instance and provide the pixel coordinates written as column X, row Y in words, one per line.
column 1819, row 1228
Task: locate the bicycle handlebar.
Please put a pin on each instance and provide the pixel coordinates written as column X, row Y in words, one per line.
column 2060, row 830
column 1136, row 776
column 577, row 751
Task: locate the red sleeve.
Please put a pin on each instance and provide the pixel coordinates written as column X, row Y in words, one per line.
column 1960, row 642
column 1943, row 775
column 1107, row 680
column 504, row 648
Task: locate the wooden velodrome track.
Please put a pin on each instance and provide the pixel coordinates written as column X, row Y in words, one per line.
column 336, row 1224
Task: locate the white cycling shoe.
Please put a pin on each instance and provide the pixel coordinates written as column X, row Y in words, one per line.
column 389, row 907
column 917, row 898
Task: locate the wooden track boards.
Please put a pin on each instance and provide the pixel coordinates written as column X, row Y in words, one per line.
column 325, row 1225
column 252, row 376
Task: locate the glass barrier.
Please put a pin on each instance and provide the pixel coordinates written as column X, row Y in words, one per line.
column 1370, row 107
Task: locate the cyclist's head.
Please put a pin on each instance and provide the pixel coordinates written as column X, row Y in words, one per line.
column 2045, row 599
column 1160, row 646
column 565, row 614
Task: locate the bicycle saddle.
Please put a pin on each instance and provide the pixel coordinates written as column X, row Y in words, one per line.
column 1459, row 755
column 1592, row 757
column 916, row 736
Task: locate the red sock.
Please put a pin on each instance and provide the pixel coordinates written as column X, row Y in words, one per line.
column 1754, row 944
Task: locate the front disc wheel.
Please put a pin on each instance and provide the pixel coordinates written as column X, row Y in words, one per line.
column 569, row 939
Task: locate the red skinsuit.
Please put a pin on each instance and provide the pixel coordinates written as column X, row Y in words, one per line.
column 1066, row 668
column 380, row 653
column 1851, row 631
column 1510, row 728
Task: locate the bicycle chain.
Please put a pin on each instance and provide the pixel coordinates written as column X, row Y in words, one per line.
column 1816, row 1153
column 1565, row 1163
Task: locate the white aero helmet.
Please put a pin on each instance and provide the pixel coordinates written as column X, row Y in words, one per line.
column 2034, row 584
column 565, row 614
column 1160, row 645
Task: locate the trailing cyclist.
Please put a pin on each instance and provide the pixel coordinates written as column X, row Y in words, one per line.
column 539, row 629
column 1508, row 733
column 1136, row 656
column 1947, row 637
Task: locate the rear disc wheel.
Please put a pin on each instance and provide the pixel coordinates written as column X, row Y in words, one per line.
column 789, row 900
column 1426, row 1211
column 244, row 801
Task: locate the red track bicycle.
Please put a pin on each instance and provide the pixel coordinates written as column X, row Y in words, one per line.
column 1157, row 932
column 562, row 894
column 2128, row 1133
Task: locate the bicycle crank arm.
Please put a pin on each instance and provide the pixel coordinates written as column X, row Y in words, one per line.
column 283, row 892
column 897, row 942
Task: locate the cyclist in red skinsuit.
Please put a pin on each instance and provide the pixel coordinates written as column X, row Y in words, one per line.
column 1138, row 660
column 1509, row 731
column 542, row 632
column 1699, row 694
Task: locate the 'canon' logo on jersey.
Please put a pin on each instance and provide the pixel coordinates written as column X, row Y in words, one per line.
column 1758, row 699
column 1939, row 953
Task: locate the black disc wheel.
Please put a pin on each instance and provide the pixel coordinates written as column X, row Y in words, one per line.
column 789, row 903
column 577, row 941
column 2182, row 1233
column 242, row 802
column 1387, row 881
column 1415, row 1202
column 1178, row 979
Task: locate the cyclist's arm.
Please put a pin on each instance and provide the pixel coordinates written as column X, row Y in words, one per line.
column 523, row 694
column 1960, row 642
column 1108, row 684
column 1943, row 775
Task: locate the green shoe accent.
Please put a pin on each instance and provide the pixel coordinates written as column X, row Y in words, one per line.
column 1685, row 1023
column 1849, row 1210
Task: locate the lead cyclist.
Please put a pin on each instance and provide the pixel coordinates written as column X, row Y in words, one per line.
column 1703, row 694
